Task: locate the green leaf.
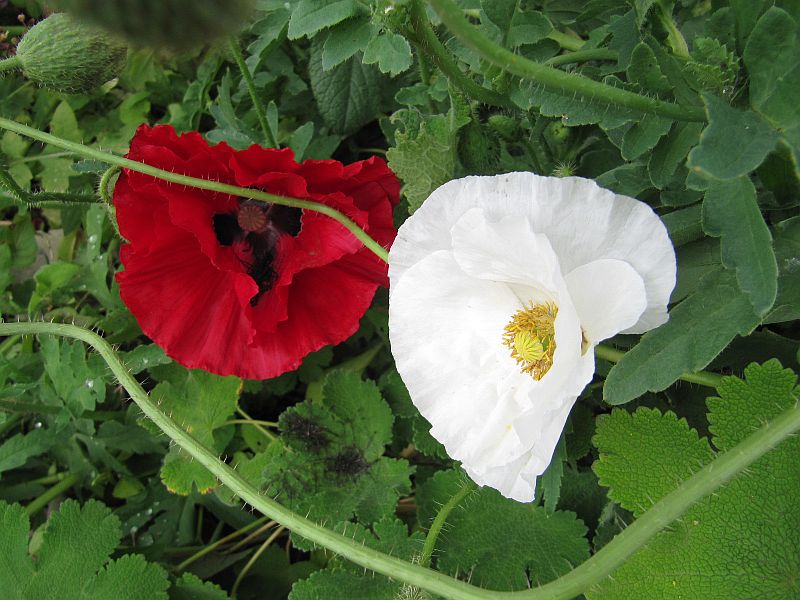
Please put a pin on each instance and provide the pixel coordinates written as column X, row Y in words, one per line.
column 698, row 329
column 391, row 51
column 645, row 71
column 643, row 136
column 551, row 478
column 731, row 213
column 684, row 225
column 787, row 253
column 734, row 143
column 55, row 174
column 424, row 153
column 63, row 123
column 17, row 449
column 735, row 543
column 528, row 27
column 190, row 587
column 201, row 404
column 77, row 386
column 49, row 279
column 312, row 16
column 771, row 58
column 671, row 151
column 524, row 547
column 73, row 559
column 331, row 464
column 344, row 41
column 348, row 95
column 639, row 481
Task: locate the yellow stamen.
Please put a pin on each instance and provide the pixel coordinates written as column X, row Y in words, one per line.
column 531, row 337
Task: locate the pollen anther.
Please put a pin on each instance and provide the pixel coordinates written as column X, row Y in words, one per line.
column 531, row 337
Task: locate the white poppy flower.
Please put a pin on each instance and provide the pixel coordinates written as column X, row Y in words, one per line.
column 500, row 289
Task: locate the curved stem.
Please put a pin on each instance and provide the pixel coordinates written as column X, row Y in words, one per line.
column 204, row 184
column 553, row 79
column 10, row 64
column 675, row 38
column 269, row 136
column 428, row 43
column 566, row 41
column 246, row 569
column 705, row 378
column 213, row 546
column 62, row 486
column 592, row 571
column 582, row 56
column 439, row 521
column 41, row 199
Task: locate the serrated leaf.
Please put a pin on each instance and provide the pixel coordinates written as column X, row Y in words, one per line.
column 73, row 559
column 190, row 587
column 730, row 212
column 75, row 384
column 201, row 404
column 344, row 41
column 639, row 478
column 771, row 58
column 699, row 328
column 734, row 143
column 312, row 16
column 734, row 543
column 331, row 464
column 671, row 151
column 525, row 546
column 391, row 51
column 348, row 95
column 645, row 71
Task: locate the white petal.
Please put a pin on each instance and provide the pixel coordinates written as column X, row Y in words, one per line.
column 506, row 250
column 582, row 221
column 608, row 295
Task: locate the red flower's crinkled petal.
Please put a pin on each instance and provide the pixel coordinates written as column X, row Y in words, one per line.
column 193, row 296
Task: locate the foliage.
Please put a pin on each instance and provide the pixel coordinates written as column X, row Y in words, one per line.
column 95, row 502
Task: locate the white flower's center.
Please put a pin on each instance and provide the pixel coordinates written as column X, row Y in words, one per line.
column 531, row 336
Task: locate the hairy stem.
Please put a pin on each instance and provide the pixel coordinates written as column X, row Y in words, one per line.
column 428, row 44
column 440, row 519
column 204, row 184
column 269, row 135
column 705, row 378
column 589, row 573
column 553, row 79
column 9, row 64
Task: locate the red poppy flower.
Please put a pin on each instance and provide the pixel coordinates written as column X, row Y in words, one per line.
column 240, row 287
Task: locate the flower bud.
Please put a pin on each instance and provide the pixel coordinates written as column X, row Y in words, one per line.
column 65, row 55
column 171, row 24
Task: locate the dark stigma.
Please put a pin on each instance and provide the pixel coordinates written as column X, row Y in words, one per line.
column 260, row 268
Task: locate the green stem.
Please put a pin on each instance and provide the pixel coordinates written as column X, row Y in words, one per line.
column 440, row 519
column 211, row 547
column 214, row 186
column 554, row 79
column 592, row 571
column 10, row 64
column 269, row 136
column 428, row 43
column 41, row 199
column 566, row 41
column 255, row 423
column 582, row 56
column 246, row 569
column 106, row 197
column 705, row 378
column 41, row 501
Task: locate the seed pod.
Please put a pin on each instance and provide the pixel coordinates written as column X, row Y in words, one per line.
column 65, row 55
column 170, row 24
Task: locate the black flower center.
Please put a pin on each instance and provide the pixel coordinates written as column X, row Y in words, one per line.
column 258, row 225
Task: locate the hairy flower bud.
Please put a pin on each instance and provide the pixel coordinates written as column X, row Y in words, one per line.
column 65, row 55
